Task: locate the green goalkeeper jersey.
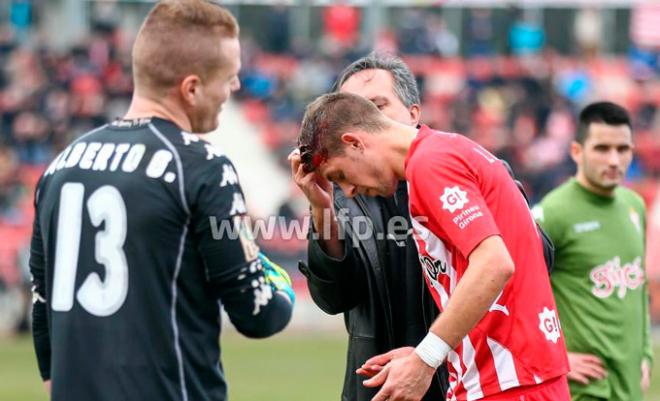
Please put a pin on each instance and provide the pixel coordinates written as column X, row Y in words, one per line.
column 599, row 282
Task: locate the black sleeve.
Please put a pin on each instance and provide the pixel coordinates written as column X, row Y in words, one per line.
column 336, row 285
column 229, row 252
column 548, row 245
column 40, row 330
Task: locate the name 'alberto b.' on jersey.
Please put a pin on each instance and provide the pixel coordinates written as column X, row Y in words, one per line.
column 128, row 277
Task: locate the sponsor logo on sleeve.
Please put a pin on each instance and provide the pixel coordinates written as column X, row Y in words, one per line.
column 238, row 205
column 262, row 290
column 250, row 247
column 454, row 199
column 188, row 138
column 549, row 324
column 212, row 152
column 229, row 176
column 467, row 216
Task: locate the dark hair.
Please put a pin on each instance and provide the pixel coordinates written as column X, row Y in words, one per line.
column 405, row 86
column 330, row 116
column 601, row 112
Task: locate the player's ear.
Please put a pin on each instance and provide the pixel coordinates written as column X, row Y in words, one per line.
column 576, row 152
column 415, row 113
column 190, row 89
column 352, row 140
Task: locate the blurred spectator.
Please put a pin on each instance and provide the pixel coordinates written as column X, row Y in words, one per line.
column 31, row 138
column 526, row 36
column 11, row 191
column 443, row 41
column 341, row 24
column 413, row 34
column 277, row 30
column 588, row 30
column 480, row 33
column 20, row 15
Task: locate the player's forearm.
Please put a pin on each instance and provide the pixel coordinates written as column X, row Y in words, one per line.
column 336, row 285
column 41, row 338
column 646, row 331
column 482, row 282
column 327, row 230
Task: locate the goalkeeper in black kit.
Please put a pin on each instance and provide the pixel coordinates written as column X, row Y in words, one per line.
column 129, row 278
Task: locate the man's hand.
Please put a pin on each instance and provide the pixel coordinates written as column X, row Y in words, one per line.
column 47, row 385
column 646, row 375
column 318, row 192
column 377, row 363
column 585, row 367
column 277, row 277
column 317, row 189
column 403, row 379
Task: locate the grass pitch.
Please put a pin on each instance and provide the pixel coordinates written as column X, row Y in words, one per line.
column 289, row 367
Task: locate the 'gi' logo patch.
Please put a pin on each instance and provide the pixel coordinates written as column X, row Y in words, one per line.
column 549, row 325
column 453, row 199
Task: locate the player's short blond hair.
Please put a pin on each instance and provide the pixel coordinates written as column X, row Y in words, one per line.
column 180, row 38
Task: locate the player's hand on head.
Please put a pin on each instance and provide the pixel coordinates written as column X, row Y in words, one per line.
column 277, row 277
column 585, row 368
column 377, row 363
column 403, row 379
column 317, row 189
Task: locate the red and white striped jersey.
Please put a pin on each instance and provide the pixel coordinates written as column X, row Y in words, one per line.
column 460, row 194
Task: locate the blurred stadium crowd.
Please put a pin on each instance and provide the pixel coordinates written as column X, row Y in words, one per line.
column 510, row 90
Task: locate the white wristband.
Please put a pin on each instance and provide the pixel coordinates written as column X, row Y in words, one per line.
column 432, row 350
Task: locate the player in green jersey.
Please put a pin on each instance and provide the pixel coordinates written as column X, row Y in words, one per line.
column 598, row 228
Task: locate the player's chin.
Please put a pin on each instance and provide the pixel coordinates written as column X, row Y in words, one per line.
column 610, row 184
column 387, row 192
column 611, row 181
column 212, row 124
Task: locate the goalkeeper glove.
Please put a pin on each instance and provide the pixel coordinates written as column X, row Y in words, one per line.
column 277, row 277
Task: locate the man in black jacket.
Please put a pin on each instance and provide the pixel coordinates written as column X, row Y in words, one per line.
column 362, row 259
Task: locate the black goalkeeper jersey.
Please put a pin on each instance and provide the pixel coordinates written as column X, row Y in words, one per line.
column 137, row 244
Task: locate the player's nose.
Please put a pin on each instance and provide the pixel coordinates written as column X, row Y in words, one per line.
column 236, row 85
column 348, row 189
column 613, row 157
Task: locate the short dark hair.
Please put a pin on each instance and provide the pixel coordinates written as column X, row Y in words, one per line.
column 327, row 118
column 601, row 112
column 405, row 85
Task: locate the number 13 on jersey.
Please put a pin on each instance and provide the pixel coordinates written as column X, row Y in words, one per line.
column 96, row 296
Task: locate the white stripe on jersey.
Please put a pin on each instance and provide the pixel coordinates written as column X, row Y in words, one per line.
column 179, row 165
column 175, row 327
column 505, row 366
column 444, row 297
column 437, row 250
column 455, row 362
column 177, row 268
column 471, row 378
